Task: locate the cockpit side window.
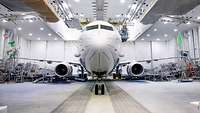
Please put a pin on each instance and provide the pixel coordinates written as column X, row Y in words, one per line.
column 106, row 27
column 91, row 27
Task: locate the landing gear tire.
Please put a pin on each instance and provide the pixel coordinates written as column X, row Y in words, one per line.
column 96, row 89
column 114, row 76
column 102, row 89
column 119, row 76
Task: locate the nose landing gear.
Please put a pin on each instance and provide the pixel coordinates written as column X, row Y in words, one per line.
column 99, row 88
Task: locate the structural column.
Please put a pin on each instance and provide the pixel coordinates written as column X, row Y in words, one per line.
column 151, row 50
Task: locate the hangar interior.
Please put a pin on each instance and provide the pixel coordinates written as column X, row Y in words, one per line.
column 159, row 36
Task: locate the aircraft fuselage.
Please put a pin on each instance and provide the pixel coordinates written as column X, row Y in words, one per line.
column 99, row 48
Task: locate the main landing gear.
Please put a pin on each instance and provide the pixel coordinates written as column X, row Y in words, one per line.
column 99, row 88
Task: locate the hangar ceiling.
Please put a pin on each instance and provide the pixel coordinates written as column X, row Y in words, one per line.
column 164, row 30
column 27, row 24
column 121, row 11
column 169, row 7
column 15, row 5
column 89, row 9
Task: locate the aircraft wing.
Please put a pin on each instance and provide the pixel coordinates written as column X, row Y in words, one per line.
column 148, row 60
column 75, row 64
column 123, row 64
column 41, row 60
column 167, row 58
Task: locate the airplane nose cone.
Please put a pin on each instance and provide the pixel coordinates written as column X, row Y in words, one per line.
column 99, row 62
column 99, row 41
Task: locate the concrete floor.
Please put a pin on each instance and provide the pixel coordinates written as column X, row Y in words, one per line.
column 164, row 97
column 34, row 98
column 157, row 97
column 100, row 104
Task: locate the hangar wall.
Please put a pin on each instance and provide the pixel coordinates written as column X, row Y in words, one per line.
column 140, row 50
column 1, row 43
column 193, row 46
column 60, row 50
column 50, row 50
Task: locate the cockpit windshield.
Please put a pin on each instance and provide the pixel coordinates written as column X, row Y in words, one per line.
column 106, row 27
column 91, row 27
column 110, row 28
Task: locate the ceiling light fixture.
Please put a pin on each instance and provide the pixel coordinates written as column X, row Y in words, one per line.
column 76, row 0
column 148, row 35
column 142, row 39
column 49, row 34
column 158, row 39
column 198, row 18
column 41, row 28
column 155, row 30
column 175, row 30
column 30, row 34
column 165, row 35
column 38, row 38
column 122, row 1
column 55, row 38
column 19, row 28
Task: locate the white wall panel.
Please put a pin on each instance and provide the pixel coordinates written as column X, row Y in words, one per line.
column 196, row 42
column 55, row 50
column 71, row 48
column 136, row 50
column 164, row 50
column 141, row 51
column 24, row 45
column 172, row 47
column 60, row 50
column 38, row 50
column 191, row 44
column 1, row 43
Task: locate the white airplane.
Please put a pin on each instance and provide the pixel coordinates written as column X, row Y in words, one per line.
column 99, row 53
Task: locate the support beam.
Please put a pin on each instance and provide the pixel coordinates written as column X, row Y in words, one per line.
column 99, row 9
column 42, row 7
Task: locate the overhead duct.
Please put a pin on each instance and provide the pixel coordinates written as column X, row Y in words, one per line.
column 99, row 8
column 42, row 7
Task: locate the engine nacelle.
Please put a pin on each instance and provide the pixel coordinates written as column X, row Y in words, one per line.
column 135, row 69
column 63, row 70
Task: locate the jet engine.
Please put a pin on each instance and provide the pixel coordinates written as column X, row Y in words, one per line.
column 63, row 70
column 135, row 69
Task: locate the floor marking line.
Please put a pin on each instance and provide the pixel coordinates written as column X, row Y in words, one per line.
column 76, row 102
column 122, row 102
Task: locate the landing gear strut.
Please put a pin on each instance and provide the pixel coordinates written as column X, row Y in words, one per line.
column 96, row 89
column 100, row 87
